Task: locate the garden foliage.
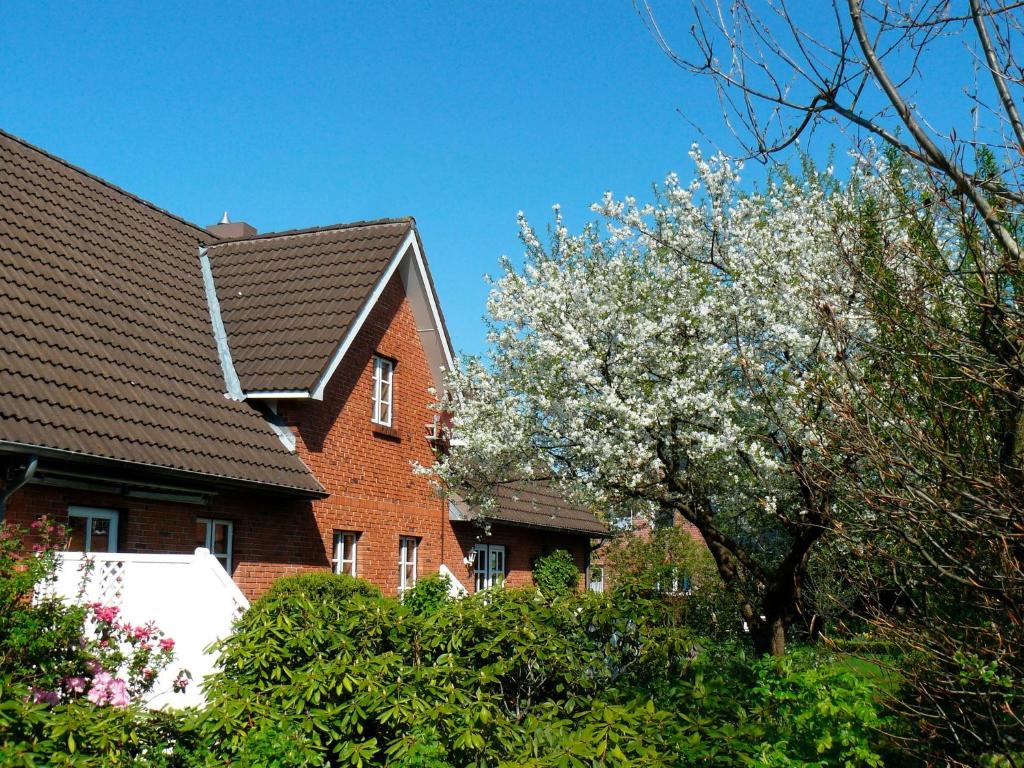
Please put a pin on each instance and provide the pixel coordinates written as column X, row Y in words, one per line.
column 73, row 678
column 325, row 671
column 512, row 678
column 555, row 574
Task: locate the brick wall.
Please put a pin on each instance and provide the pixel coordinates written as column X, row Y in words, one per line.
column 522, row 547
column 369, row 475
column 271, row 537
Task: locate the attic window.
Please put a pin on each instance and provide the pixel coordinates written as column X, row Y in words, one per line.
column 383, row 374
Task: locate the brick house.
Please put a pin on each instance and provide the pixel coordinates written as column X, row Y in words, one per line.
column 165, row 386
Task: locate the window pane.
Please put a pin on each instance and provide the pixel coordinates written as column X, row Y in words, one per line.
column 99, row 541
column 76, row 533
column 220, row 539
column 200, row 533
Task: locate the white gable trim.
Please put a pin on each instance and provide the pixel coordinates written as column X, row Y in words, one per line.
column 273, row 394
column 435, row 312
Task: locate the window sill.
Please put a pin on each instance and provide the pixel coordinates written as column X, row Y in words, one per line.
column 388, row 433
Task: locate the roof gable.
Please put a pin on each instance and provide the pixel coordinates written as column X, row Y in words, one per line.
column 292, row 302
column 107, row 350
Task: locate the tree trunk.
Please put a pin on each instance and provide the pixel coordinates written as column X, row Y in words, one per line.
column 769, row 636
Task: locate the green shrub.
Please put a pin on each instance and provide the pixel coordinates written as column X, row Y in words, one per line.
column 556, row 574
column 319, row 585
column 429, row 594
column 39, row 634
column 77, row 733
column 324, row 671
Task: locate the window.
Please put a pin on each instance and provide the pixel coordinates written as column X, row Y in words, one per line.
column 489, row 566
column 345, row 552
column 383, row 373
column 216, row 536
column 407, row 546
column 92, row 530
column 595, row 580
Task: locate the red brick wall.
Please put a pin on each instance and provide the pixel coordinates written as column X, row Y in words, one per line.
column 370, row 476
column 522, row 547
column 271, row 537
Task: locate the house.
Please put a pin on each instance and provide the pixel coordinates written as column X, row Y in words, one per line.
column 165, row 386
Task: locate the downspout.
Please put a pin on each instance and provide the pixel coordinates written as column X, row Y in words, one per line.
column 21, row 476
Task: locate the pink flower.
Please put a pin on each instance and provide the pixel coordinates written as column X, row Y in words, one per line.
column 42, row 696
column 105, row 613
column 141, row 633
column 103, row 679
column 93, row 667
column 119, row 694
column 147, row 673
column 75, row 684
column 167, row 644
column 36, row 525
column 180, row 684
column 98, row 695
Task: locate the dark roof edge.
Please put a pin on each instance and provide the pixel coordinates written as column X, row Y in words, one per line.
column 157, row 469
column 78, row 169
column 315, row 230
column 601, row 534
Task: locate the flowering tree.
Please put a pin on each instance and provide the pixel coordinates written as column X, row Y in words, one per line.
column 671, row 362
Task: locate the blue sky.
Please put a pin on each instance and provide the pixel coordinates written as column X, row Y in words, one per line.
column 300, row 114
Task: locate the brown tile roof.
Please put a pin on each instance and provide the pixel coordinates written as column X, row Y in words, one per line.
column 538, row 505
column 107, row 351
column 288, row 298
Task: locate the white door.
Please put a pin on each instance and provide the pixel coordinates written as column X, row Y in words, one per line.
column 489, row 568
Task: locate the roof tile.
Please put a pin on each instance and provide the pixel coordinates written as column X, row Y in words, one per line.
column 107, row 349
column 287, row 299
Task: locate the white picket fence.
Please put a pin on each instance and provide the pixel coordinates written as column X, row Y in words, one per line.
column 189, row 597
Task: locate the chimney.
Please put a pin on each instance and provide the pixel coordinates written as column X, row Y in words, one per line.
column 226, row 229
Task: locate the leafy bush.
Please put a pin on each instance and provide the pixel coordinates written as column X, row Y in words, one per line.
column 511, row 678
column 429, row 594
column 556, row 574
column 323, row 671
column 319, row 585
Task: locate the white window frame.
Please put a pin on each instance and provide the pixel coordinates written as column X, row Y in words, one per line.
column 343, row 558
column 224, row 558
column 405, row 544
column 383, row 375
column 97, row 513
column 485, row 574
column 592, row 584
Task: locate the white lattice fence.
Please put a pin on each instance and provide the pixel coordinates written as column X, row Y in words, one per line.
column 189, row 597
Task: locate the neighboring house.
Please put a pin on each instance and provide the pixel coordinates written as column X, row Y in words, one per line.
column 165, row 387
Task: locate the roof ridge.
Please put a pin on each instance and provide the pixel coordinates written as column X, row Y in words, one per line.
column 110, row 185
column 316, row 230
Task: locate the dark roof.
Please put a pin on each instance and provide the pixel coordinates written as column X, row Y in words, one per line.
column 538, row 505
column 288, row 298
column 107, row 350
